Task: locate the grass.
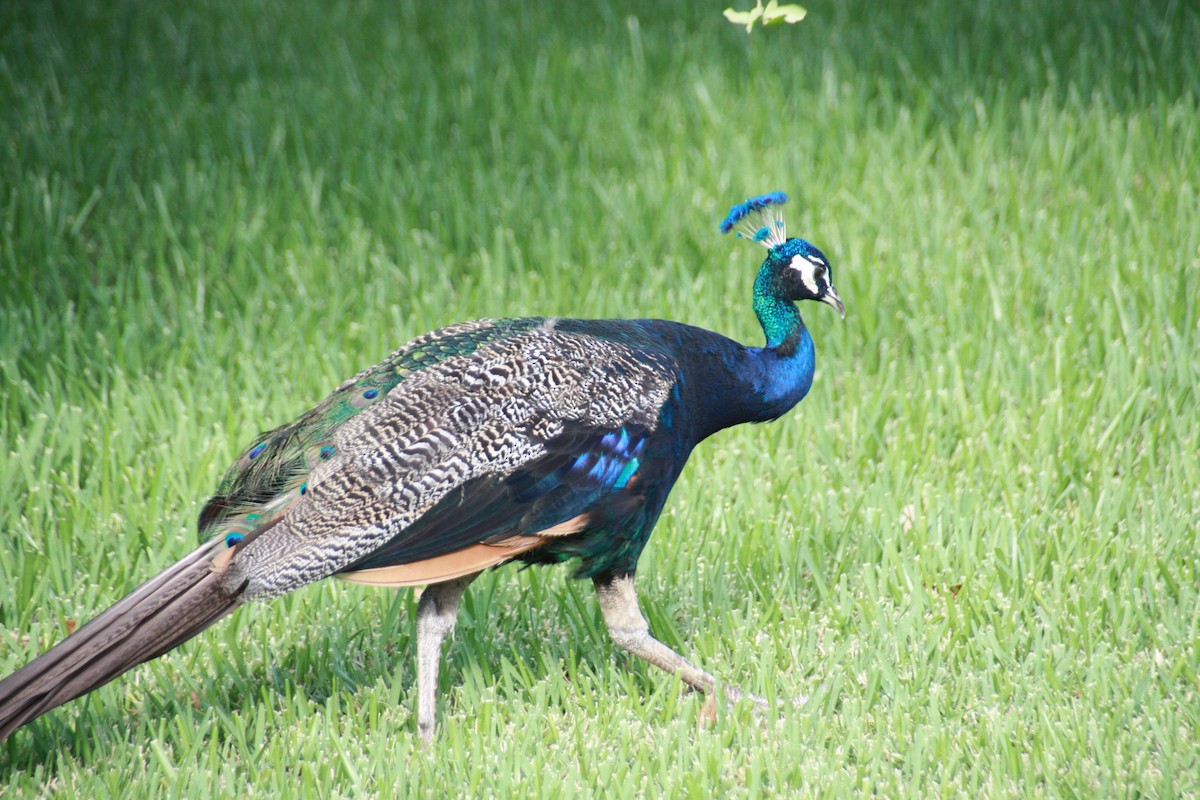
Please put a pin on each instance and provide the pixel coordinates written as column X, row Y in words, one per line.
column 973, row 547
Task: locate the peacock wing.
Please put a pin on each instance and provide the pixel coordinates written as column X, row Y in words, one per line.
column 583, row 478
column 272, row 474
column 475, row 449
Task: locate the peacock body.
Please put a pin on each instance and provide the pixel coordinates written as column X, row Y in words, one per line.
column 539, row 440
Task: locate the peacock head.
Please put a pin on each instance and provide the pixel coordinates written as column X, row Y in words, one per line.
column 794, row 269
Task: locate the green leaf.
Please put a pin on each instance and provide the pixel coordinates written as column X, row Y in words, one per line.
column 771, row 14
column 775, row 13
column 747, row 18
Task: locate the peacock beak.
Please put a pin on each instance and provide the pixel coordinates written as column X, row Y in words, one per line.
column 831, row 297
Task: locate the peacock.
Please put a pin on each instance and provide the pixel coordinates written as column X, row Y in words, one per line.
column 536, row 440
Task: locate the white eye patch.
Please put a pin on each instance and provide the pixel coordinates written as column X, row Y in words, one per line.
column 808, row 267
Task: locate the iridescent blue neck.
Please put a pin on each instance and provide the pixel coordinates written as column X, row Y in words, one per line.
column 779, row 317
column 782, row 372
column 781, row 323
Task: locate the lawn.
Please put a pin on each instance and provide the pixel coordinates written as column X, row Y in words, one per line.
column 972, row 548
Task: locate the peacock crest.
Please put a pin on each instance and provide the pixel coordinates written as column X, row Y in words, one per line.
column 758, row 219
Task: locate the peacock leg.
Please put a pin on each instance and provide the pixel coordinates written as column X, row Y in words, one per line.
column 629, row 629
column 436, row 614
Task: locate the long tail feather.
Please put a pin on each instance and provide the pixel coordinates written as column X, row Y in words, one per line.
column 156, row 617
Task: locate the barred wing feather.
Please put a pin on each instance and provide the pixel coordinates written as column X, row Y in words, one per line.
column 516, row 437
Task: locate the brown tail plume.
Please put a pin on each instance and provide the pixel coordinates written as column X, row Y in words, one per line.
column 159, row 615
